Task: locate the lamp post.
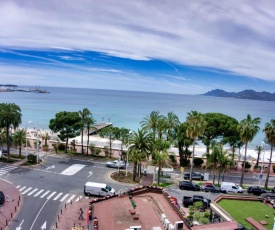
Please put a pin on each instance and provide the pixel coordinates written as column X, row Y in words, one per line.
column 127, row 155
column 26, row 149
column 261, row 174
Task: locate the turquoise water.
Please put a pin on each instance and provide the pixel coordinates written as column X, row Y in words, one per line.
column 128, row 108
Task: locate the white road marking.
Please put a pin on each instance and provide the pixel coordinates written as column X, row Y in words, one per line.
column 73, row 169
column 70, row 198
column 45, row 194
column 49, row 197
column 33, row 191
column 38, row 214
column 39, row 192
column 64, row 197
column 22, row 188
column 27, row 190
column 58, row 196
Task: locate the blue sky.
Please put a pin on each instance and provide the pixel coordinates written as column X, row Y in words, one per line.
column 173, row 46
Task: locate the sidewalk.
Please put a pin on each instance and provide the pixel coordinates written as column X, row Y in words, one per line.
column 12, row 204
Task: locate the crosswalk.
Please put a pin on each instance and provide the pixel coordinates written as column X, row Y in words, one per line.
column 6, row 169
column 49, row 195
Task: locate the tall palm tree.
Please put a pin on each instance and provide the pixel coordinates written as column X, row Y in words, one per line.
column 172, row 123
column 161, row 154
column 195, row 128
column 19, row 139
column 84, row 115
column 269, row 130
column 45, row 137
column 140, row 146
column 248, row 128
column 10, row 116
column 224, row 164
column 214, row 158
column 259, row 150
column 2, row 137
column 90, row 121
column 150, row 123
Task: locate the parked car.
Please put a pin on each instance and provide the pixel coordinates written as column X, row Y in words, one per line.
column 256, row 190
column 195, row 176
column 4, row 150
column 116, row 164
column 187, row 185
column 273, row 190
column 188, row 200
column 231, row 187
column 2, row 198
column 210, row 188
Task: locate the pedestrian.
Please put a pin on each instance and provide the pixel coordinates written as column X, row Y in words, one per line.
column 80, row 212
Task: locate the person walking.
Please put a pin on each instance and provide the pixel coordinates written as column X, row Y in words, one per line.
column 80, row 212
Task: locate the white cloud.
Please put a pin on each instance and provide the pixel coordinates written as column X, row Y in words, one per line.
column 237, row 36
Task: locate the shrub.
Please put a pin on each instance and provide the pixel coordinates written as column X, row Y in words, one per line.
column 184, row 162
column 247, row 165
column 198, row 161
column 173, row 158
column 97, row 151
column 32, row 158
column 92, row 148
column 61, row 147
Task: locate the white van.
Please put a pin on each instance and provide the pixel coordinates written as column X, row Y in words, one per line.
column 231, row 187
column 98, row 189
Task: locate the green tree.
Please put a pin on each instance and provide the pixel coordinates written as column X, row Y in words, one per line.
column 269, row 130
column 84, row 114
column 161, row 154
column 2, row 137
column 89, row 125
column 172, row 123
column 19, row 139
column 214, row 159
column 45, row 137
column 109, row 132
column 196, row 125
column 218, row 126
column 10, row 116
column 248, row 128
column 150, row 123
column 140, row 146
column 67, row 124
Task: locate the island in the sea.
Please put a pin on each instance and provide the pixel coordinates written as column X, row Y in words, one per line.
column 246, row 94
column 13, row 88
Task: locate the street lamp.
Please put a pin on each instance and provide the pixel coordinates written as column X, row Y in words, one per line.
column 127, row 155
column 26, row 123
column 261, row 174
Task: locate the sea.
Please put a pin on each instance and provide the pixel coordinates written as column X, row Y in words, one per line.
column 128, row 108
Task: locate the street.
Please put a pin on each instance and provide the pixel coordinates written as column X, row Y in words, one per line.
column 47, row 187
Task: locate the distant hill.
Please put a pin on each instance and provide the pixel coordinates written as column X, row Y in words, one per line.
column 246, row 94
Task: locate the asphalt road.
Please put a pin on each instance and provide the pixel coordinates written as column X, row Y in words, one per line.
column 48, row 187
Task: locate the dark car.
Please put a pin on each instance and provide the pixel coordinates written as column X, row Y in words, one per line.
column 2, row 198
column 195, row 176
column 210, row 188
column 256, row 190
column 187, row 185
column 273, row 190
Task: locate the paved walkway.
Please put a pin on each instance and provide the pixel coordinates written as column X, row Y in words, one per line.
column 12, row 204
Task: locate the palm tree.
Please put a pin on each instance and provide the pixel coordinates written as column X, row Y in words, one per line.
column 84, row 115
column 172, row 123
column 150, row 123
column 140, row 146
column 214, row 158
column 19, row 139
column 224, row 164
column 89, row 125
column 269, row 130
column 161, row 154
column 2, row 137
column 10, row 116
column 46, row 136
column 259, row 150
column 248, row 128
column 195, row 128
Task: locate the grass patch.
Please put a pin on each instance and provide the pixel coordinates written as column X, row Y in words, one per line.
column 240, row 209
column 163, row 184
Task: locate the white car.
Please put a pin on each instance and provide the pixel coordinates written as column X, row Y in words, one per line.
column 116, row 164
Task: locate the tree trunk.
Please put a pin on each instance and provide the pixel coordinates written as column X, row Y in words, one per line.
column 8, row 141
column 257, row 162
column 82, row 150
column 219, row 178
column 135, row 171
column 214, row 178
column 159, row 175
column 241, row 183
column 20, row 149
column 269, row 166
column 88, row 142
column 193, row 153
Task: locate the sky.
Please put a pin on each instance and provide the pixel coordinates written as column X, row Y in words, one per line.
column 170, row 46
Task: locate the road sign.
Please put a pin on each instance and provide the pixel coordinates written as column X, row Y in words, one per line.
column 261, row 176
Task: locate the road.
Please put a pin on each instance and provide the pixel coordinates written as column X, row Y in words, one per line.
column 46, row 188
